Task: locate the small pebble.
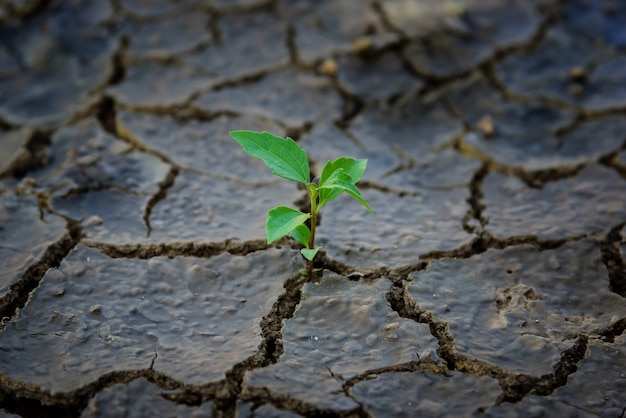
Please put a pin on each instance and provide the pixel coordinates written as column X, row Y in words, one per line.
column 328, row 67
column 577, row 73
column 363, row 45
column 486, row 126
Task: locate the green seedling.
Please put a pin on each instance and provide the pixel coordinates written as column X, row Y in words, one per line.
column 287, row 160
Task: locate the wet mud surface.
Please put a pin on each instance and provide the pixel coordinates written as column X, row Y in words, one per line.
column 135, row 278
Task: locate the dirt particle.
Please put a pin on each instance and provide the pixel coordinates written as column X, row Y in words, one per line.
column 363, row 45
column 577, row 74
column 486, row 125
column 328, row 67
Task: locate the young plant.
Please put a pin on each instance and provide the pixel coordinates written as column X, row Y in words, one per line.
column 287, row 160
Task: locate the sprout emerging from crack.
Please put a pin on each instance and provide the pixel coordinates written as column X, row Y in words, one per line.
column 287, row 160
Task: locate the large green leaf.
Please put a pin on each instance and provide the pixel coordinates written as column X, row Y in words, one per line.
column 338, row 180
column 353, row 168
column 282, row 155
column 282, row 220
column 302, row 234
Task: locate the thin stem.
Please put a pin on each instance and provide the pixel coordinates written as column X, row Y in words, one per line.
column 313, row 219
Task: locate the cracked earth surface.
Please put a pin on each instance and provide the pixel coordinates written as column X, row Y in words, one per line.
column 135, row 279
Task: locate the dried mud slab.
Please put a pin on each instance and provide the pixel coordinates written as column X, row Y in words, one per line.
column 158, row 85
column 596, row 389
column 411, row 127
column 169, row 35
column 326, row 27
column 294, row 97
column 387, row 163
column 537, row 150
column 476, row 99
column 536, row 407
column 604, row 24
column 190, row 318
column 62, row 55
column 526, row 135
column 519, row 308
column 402, row 229
column 319, row 354
column 249, row 44
column 423, row 394
column 106, row 215
column 205, row 209
column 82, row 157
column 368, row 78
column 590, row 202
column 467, row 33
column 202, row 146
column 24, row 237
column 139, row 398
column 417, row 19
column 599, row 384
column 433, row 171
column 575, row 62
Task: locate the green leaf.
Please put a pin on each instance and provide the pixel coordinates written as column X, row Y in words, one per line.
column 302, row 234
column 282, row 155
column 310, row 254
column 353, row 168
column 340, row 181
column 282, row 220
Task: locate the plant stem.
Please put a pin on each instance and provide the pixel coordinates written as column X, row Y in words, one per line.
column 312, row 239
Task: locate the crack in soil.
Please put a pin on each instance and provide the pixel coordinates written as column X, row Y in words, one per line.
column 263, row 395
column 226, row 393
column 33, row 156
column 175, row 249
column 514, row 386
column 476, row 206
column 17, row 296
column 161, row 194
column 30, row 401
column 614, row 260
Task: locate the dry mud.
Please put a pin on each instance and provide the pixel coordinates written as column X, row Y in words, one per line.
column 135, row 279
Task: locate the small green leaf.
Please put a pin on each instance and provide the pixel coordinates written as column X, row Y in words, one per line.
column 353, row 168
column 282, row 155
column 310, row 254
column 340, row 181
column 302, row 234
column 282, row 220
